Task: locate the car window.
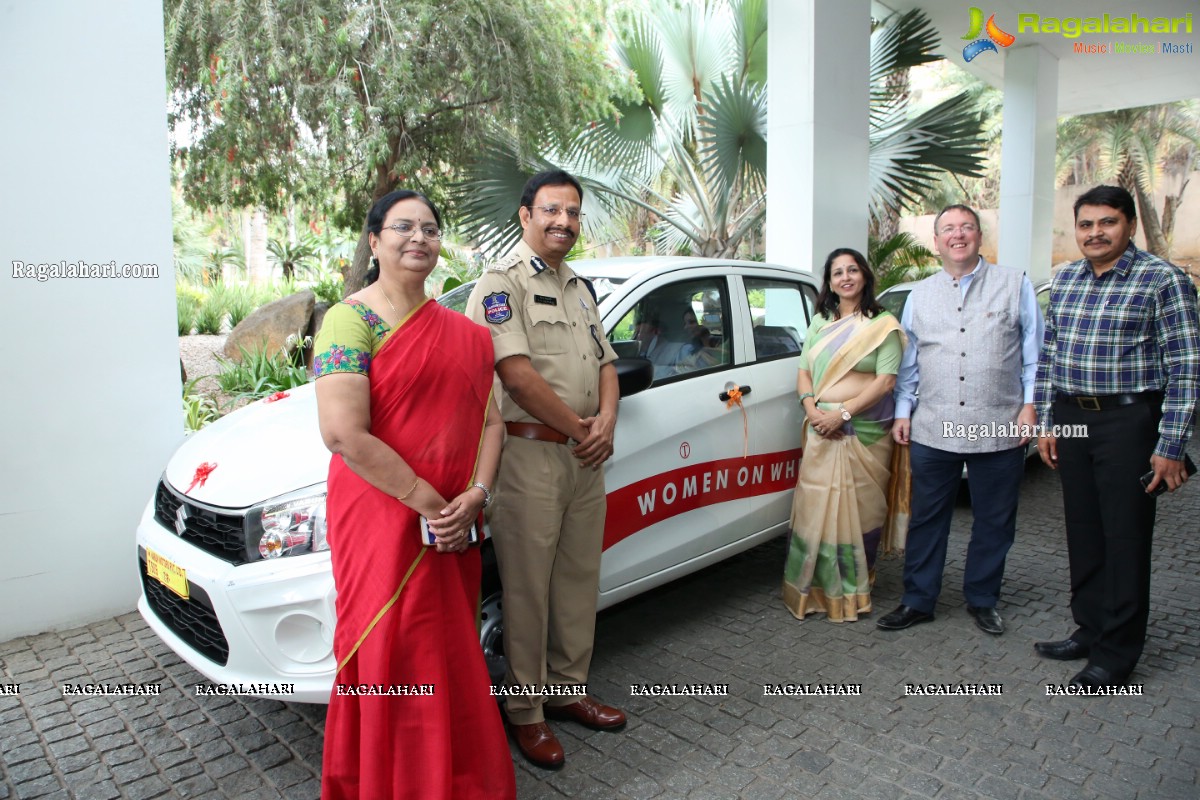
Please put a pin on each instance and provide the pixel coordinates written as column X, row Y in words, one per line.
column 780, row 312
column 894, row 301
column 681, row 328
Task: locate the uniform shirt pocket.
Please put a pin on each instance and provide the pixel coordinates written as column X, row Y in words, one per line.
column 549, row 330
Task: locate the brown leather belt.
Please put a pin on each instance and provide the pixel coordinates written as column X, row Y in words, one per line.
column 535, row 430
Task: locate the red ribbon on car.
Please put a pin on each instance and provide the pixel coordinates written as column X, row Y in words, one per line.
column 202, row 473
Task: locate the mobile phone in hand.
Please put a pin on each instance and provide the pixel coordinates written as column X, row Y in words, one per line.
column 1189, row 467
column 428, row 539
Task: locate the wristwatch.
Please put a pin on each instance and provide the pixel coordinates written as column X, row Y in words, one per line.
column 487, row 496
column 846, row 416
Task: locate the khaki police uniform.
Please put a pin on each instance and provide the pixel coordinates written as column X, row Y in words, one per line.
column 548, row 519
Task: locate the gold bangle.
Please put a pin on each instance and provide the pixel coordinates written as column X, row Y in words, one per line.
column 405, row 496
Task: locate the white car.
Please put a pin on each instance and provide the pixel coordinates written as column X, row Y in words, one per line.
column 235, row 567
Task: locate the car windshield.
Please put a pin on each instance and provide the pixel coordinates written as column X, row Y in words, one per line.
column 456, row 298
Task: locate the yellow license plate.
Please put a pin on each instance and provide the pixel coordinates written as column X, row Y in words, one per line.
column 168, row 573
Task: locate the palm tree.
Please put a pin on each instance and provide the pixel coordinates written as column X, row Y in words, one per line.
column 691, row 152
column 897, row 259
column 291, row 256
column 1137, row 148
column 910, row 153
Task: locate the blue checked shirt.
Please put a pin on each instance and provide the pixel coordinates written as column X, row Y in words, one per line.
column 1133, row 329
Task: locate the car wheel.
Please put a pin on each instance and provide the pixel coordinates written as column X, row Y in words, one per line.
column 491, row 619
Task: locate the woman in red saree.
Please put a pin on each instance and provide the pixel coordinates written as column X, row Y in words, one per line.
column 404, row 400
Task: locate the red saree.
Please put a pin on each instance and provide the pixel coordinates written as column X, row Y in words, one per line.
column 406, row 613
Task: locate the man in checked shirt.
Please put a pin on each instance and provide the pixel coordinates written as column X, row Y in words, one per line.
column 1121, row 355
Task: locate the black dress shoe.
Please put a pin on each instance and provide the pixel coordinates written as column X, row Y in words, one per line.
column 1066, row 650
column 987, row 620
column 903, row 617
column 1094, row 677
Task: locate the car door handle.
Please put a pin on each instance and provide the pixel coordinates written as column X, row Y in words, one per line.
column 724, row 396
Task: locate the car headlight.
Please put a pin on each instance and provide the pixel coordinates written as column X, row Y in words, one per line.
column 290, row 525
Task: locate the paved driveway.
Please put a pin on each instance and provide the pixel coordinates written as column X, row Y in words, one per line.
column 725, row 625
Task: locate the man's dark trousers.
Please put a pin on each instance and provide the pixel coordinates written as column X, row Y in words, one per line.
column 995, row 484
column 1110, row 526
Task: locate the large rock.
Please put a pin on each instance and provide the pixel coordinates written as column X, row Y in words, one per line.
column 314, row 325
column 269, row 327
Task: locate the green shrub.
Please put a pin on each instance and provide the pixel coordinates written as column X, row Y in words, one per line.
column 259, row 373
column 212, row 312
column 186, row 309
column 329, row 290
column 198, row 409
column 240, row 301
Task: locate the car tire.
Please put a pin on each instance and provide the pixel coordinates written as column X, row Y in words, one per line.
column 491, row 618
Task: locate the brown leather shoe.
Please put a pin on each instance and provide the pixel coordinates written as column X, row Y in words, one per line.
column 539, row 745
column 587, row 711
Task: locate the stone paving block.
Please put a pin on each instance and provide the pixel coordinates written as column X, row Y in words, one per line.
column 180, row 771
column 36, row 788
column 132, row 771
column 308, row 790
column 617, row 773
column 270, row 756
column 98, row 790
column 225, row 765
column 1108, row 786
column 288, row 773
column 766, row 790
column 1171, row 789
column 309, row 748
column 639, row 787
column 17, row 736
column 76, row 767
column 28, row 771
column 22, row 754
column 998, row 788
column 146, row 788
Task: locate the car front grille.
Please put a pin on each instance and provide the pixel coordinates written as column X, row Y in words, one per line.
column 216, row 533
column 192, row 620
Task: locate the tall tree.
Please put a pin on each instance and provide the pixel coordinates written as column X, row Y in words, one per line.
column 693, row 150
column 1138, row 148
column 339, row 101
column 910, row 151
column 690, row 151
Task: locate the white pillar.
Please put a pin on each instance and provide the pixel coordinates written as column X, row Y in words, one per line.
column 817, row 129
column 91, row 390
column 1027, row 160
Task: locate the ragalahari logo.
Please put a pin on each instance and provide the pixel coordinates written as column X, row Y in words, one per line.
column 994, row 37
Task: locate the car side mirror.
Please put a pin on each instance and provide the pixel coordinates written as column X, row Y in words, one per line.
column 634, row 374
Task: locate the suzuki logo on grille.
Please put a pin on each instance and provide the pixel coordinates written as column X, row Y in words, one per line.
column 181, row 517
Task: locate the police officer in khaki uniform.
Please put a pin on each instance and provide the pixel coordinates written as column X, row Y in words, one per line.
column 560, row 410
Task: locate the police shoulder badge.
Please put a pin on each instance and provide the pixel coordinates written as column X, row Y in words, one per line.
column 504, row 264
column 496, row 308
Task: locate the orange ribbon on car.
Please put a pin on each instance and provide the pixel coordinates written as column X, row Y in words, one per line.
column 735, row 398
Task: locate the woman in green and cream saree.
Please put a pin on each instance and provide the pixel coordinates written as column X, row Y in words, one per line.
column 847, row 372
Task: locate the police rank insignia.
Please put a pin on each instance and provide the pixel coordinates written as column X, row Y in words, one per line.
column 496, row 308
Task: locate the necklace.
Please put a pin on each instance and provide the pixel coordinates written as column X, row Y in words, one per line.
column 389, row 300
